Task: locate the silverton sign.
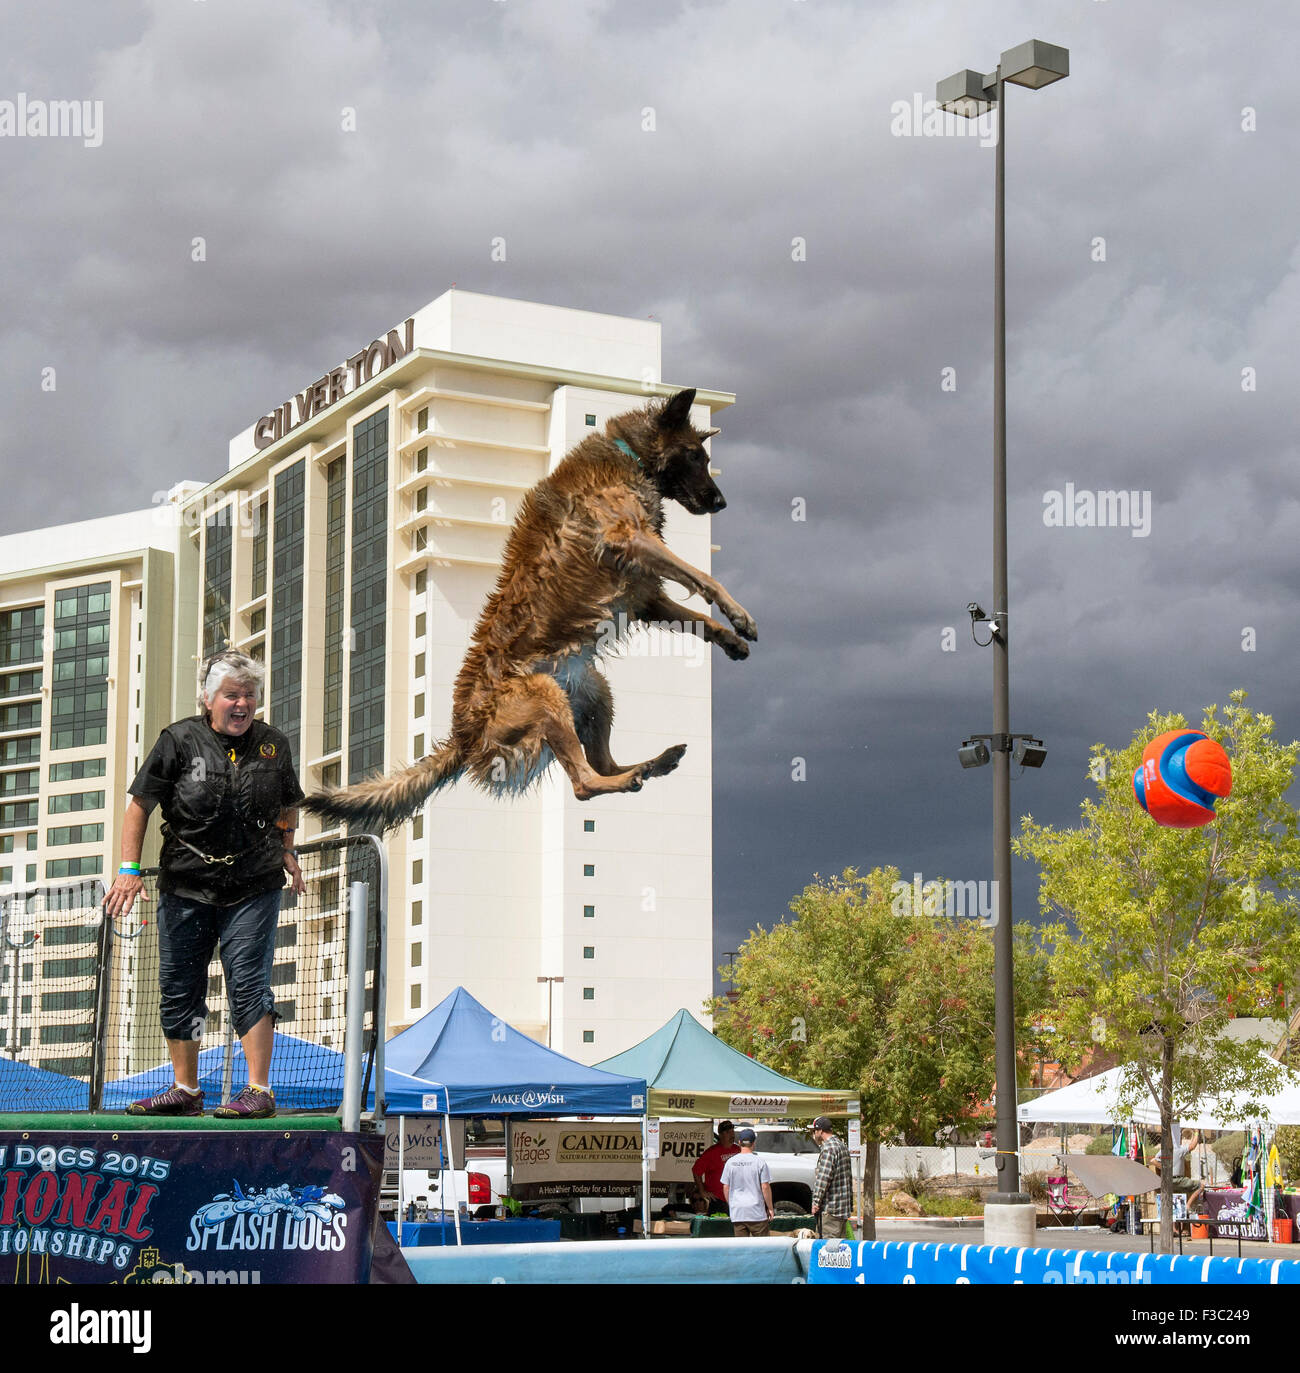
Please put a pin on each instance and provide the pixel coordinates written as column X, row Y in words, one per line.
column 335, row 384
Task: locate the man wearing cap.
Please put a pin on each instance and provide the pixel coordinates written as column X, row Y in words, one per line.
column 747, row 1188
column 707, row 1169
column 832, row 1198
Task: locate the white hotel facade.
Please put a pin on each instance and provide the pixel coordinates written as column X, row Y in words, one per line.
column 350, row 545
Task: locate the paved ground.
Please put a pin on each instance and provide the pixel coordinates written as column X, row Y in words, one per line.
column 1063, row 1237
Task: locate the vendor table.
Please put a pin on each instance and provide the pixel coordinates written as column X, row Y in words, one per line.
column 419, row 1234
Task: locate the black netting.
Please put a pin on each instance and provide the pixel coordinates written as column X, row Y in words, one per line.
column 80, row 1027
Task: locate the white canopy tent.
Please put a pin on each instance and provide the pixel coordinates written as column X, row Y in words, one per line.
column 1090, row 1101
column 1095, row 1101
column 1238, row 1110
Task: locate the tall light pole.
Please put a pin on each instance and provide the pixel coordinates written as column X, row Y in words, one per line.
column 970, row 94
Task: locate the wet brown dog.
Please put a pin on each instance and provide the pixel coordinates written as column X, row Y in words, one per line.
column 585, row 559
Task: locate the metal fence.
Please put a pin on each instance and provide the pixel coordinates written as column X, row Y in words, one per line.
column 79, row 994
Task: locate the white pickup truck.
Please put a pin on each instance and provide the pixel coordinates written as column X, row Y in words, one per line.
column 790, row 1154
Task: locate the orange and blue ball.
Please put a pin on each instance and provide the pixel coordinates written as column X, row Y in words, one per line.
column 1183, row 773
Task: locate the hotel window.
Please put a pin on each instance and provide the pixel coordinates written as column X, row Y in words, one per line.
column 20, row 684
column 259, row 550
column 419, row 665
column 286, row 603
column 18, row 813
column 589, row 993
column 26, row 716
column 369, row 612
column 588, row 827
column 74, row 834
column 417, row 872
column 588, row 911
column 20, row 783
column 74, row 772
column 419, row 705
column 590, row 420
column 421, row 581
column 415, row 998
column 79, row 706
column 329, row 775
column 76, row 800
column 422, row 498
column 335, row 571
column 422, row 420
column 589, row 870
column 257, row 620
column 589, row 951
column 419, row 745
column 588, row 1036
column 20, row 635
column 417, row 912
column 216, row 580
column 417, row 954
column 31, row 867
column 417, row 827
column 419, row 625
column 422, row 460
column 25, row 750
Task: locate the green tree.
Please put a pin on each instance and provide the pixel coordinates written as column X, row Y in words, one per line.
column 861, row 991
column 1173, row 931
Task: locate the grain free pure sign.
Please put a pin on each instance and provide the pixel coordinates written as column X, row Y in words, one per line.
column 580, row 1153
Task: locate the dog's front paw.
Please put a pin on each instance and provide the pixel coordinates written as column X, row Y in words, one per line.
column 740, row 618
column 733, row 646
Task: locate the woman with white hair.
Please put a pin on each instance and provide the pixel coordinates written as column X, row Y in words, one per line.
column 229, row 797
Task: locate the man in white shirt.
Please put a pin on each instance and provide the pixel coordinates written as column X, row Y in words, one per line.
column 747, row 1187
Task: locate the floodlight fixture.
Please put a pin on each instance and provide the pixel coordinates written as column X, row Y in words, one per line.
column 1035, row 64
column 967, row 93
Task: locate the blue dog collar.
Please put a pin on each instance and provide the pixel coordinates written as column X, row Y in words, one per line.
column 627, row 448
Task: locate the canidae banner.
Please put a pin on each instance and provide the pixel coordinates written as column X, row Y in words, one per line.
column 587, row 1158
column 192, row 1207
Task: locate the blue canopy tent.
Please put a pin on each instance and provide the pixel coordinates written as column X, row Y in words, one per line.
column 24, row 1088
column 306, row 1077
column 491, row 1069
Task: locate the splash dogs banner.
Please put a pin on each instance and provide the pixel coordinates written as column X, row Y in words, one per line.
column 192, row 1207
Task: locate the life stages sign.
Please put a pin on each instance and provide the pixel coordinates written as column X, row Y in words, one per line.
column 586, row 1158
column 192, row 1207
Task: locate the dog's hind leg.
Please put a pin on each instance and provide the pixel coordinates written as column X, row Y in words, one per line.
column 594, row 718
column 537, row 712
column 593, row 715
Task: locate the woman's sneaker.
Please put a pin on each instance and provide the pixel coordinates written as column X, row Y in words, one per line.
column 251, row 1104
column 175, row 1101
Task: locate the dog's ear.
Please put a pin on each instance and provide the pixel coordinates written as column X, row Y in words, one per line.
column 676, row 413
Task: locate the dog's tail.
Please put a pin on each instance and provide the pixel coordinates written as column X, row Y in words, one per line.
column 383, row 803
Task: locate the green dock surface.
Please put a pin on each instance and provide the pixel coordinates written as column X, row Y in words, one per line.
column 100, row 1124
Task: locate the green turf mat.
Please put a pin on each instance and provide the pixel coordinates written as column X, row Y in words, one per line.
column 46, row 1124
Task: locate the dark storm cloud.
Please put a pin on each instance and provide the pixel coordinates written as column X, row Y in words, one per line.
column 773, row 121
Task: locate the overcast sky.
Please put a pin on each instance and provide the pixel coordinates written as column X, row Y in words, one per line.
column 774, row 120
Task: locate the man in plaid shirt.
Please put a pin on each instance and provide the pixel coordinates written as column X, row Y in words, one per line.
column 833, row 1182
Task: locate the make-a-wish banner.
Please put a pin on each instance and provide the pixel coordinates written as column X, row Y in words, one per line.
column 192, row 1207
